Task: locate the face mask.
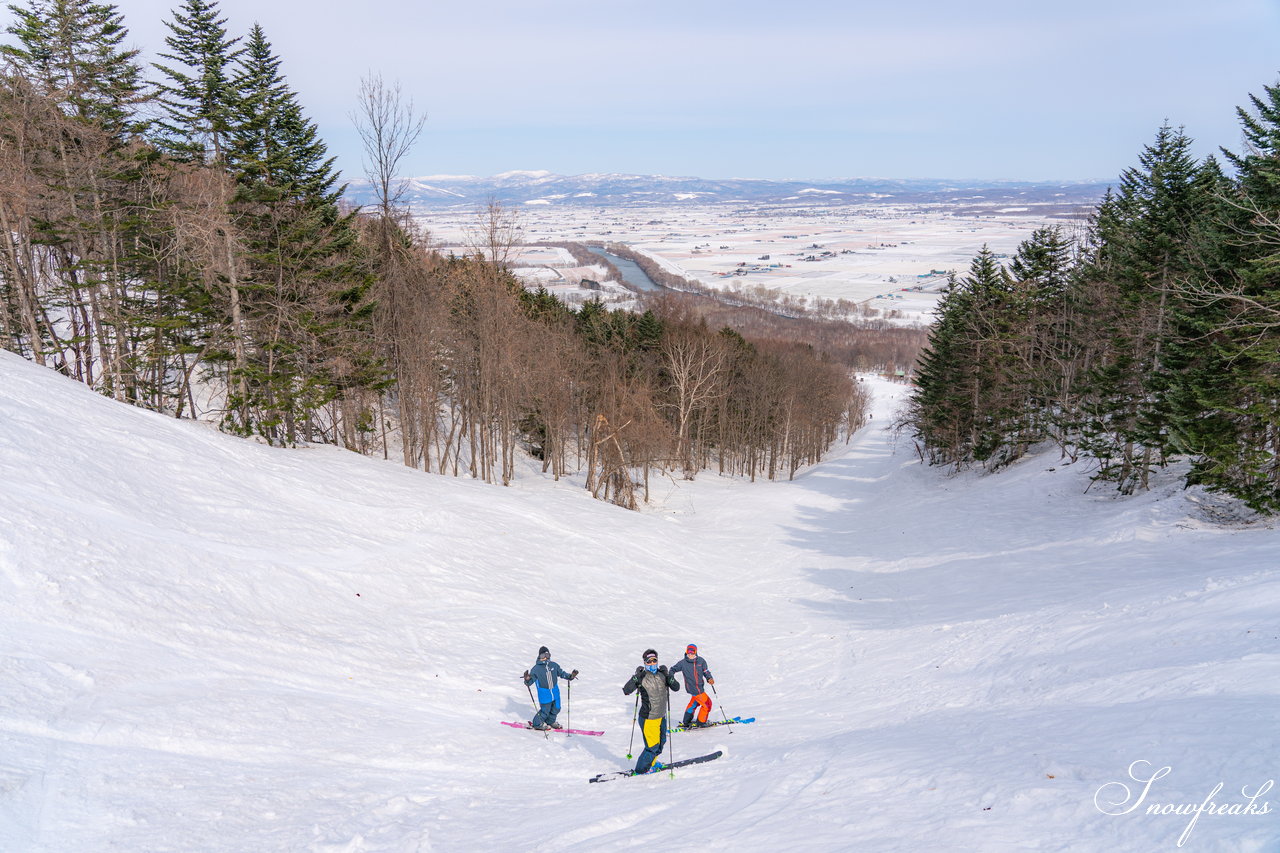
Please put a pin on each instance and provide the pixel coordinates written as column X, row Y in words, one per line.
column 653, row 667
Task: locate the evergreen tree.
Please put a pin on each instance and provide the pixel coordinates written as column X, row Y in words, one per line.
column 1235, row 384
column 1133, row 283
column 261, row 95
column 1043, row 260
column 1041, row 269
column 940, row 414
column 272, row 144
column 72, row 50
column 304, row 283
column 967, row 406
column 197, row 93
column 649, row 331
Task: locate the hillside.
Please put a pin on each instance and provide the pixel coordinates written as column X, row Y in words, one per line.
column 211, row 644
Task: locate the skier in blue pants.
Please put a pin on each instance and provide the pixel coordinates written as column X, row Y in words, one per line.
column 546, row 673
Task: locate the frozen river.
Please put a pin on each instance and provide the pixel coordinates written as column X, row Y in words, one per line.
column 630, row 270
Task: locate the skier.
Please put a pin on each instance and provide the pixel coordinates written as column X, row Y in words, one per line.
column 546, row 672
column 653, row 682
column 696, row 675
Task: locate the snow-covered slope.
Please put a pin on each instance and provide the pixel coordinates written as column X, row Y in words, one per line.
column 209, row 644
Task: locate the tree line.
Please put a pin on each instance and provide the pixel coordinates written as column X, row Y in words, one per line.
column 152, row 230
column 1153, row 337
column 174, row 237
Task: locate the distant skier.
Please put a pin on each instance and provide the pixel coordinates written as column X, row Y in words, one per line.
column 696, row 677
column 653, row 682
column 547, row 672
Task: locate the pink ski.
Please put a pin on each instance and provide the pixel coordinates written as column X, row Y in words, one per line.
column 552, row 731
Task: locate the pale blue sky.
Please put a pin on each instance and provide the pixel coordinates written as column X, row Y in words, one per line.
column 805, row 89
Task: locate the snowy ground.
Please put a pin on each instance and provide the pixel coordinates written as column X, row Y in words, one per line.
column 891, row 258
column 212, row 645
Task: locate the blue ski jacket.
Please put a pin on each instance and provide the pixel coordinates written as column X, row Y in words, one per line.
column 547, row 675
column 695, row 674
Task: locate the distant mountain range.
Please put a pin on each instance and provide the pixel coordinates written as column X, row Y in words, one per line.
column 614, row 190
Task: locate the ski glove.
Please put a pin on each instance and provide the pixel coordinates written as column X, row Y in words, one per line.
column 663, row 669
column 639, row 674
column 526, row 675
column 573, row 675
column 711, row 681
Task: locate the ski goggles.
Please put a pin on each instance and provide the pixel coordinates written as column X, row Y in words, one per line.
column 651, row 659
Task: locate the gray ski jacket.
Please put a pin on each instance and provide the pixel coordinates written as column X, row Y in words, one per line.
column 653, row 688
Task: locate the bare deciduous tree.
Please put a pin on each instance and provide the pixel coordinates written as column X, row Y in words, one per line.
column 389, row 127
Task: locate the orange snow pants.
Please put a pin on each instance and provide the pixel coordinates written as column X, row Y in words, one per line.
column 704, row 702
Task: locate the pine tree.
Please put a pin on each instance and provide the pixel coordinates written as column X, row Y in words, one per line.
column 72, row 50
column 1138, row 268
column 966, row 408
column 1043, row 260
column 1198, row 381
column 304, row 284
column 649, row 331
column 941, row 413
column 196, row 93
column 1041, row 269
column 1235, row 382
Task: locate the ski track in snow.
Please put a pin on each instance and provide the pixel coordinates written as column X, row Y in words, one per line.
column 210, row 644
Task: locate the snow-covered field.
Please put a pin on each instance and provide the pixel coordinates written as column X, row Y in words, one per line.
column 556, row 270
column 892, row 258
column 207, row 644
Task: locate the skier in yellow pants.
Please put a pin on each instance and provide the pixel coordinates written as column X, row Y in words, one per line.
column 654, row 683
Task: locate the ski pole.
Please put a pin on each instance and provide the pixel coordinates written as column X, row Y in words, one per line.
column 531, row 701
column 635, row 713
column 717, row 692
column 671, row 748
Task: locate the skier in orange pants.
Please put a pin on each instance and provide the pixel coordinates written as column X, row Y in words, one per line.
column 696, row 675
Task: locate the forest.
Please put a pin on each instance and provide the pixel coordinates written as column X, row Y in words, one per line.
column 175, row 237
column 1150, row 338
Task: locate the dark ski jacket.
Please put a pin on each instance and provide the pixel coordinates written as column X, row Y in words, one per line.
column 653, row 688
column 695, row 674
column 547, row 674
